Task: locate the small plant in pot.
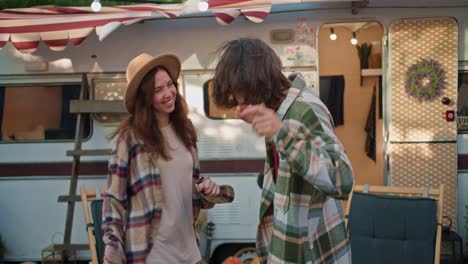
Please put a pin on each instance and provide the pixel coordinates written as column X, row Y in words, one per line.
column 364, row 52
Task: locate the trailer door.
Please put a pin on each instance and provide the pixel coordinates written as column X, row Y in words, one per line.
column 422, row 131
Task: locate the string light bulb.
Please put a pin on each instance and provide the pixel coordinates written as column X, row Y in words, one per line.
column 96, row 5
column 354, row 39
column 203, row 6
column 332, row 34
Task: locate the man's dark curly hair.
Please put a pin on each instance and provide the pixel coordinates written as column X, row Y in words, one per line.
column 249, row 68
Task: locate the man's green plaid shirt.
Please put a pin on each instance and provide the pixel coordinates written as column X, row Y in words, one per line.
column 301, row 218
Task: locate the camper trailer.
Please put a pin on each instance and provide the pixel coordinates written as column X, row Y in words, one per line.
column 357, row 56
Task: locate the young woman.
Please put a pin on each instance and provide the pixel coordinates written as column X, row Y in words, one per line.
column 154, row 193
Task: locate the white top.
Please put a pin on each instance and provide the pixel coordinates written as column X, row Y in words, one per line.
column 175, row 241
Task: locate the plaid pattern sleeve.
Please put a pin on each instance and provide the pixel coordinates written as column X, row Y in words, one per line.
column 301, row 221
column 307, row 141
column 115, row 202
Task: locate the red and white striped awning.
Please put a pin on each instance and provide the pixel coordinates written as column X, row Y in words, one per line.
column 55, row 26
column 227, row 11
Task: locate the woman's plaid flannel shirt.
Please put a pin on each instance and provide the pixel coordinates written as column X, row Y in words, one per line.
column 131, row 201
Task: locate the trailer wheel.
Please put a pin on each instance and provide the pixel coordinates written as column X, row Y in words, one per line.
column 244, row 251
column 246, row 255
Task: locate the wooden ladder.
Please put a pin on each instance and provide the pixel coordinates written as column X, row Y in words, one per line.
column 82, row 107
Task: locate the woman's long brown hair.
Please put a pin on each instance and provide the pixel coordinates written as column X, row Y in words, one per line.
column 144, row 125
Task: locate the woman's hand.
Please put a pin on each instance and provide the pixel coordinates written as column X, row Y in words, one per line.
column 208, row 187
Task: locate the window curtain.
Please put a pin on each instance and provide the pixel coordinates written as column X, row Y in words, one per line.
column 332, row 95
column 68, row 120
column 370, row 128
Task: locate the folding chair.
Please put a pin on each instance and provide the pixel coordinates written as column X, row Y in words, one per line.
column 93, row 228
column 395, row 224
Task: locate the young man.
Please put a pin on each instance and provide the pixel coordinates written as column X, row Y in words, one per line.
column 307, row 169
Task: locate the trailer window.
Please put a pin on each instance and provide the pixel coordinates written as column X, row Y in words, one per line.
column 111, row 90
column 32, row 113
column 211, row 109
column 462, row 104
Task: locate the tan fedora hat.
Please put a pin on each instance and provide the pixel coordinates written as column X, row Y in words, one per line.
column 140, row 66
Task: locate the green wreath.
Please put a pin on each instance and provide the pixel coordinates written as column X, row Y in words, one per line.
column 425, row 80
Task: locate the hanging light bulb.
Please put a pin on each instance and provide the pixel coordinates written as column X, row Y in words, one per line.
column 354, row 39
column 96, row 5
column 203, row 6
column 332, row 34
